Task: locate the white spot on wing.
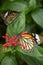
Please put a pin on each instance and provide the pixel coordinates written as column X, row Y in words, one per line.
column 37, row 39
column 5, row 15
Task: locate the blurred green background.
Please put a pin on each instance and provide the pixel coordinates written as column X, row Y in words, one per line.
column 30, row 19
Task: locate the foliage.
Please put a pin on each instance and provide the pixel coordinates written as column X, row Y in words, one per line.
column 30, row 19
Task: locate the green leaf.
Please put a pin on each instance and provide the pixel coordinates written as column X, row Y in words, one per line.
column 15, row 6
column 37, row 16
column 33, row 58
column 1, row 53
column 32, row 3
column 17, row 26
column 9, row 61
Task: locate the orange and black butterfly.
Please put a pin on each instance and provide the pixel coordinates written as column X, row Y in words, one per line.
column 9, row 16
column 29, row 41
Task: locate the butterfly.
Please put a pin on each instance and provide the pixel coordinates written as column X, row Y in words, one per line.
column 28, row 41
column 9, row 16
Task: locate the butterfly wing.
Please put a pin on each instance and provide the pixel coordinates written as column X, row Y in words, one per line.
column 27, row 42
column 12, row 16
column 9, row 16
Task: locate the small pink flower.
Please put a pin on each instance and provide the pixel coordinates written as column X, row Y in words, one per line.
column 13, row 41
column 10, row 41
